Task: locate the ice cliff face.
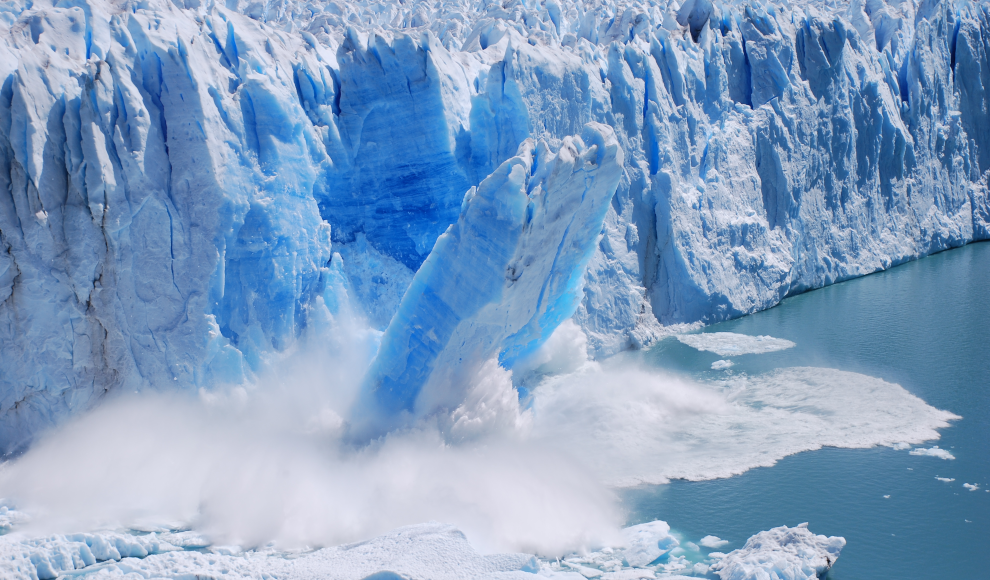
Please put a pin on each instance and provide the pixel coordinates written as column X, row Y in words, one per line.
column 176, row 178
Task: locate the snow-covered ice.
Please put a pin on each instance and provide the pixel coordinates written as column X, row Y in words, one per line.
column 933, row 451
column 732, row 344
column 428, row 550
column 783, row 553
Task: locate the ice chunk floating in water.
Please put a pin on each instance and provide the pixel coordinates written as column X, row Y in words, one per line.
column 732, row 344
column 784, row 553
column 933, row 452
column 644, row 543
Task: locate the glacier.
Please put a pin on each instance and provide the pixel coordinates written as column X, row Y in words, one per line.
column 192, row 189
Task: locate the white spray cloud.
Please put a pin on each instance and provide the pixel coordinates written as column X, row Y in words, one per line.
column 266, row 463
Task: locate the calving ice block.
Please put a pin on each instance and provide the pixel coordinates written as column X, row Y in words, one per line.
column 498, row 281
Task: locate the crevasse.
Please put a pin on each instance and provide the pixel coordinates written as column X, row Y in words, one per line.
column 188, row 189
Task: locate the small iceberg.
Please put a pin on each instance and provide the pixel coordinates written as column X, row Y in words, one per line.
column 933, row 452
column 712, row 542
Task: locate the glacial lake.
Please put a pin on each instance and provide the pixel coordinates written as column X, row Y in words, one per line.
column 924, row 325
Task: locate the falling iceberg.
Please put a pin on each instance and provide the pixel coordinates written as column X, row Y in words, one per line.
column 501, row 279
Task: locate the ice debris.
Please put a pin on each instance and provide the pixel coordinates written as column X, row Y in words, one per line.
column 732, row 344
column 783, row 553
column 647, row 542
column 933, row 451
column 721, row 365
column 429, row 550
column 972, row 486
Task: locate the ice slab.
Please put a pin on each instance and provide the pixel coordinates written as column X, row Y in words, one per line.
column 732, row 344
column 498, row 282
column 713, row 542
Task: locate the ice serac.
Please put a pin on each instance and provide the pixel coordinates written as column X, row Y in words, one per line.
column 499, row 280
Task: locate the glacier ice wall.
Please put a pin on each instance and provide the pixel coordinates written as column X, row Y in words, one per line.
column 176, row 177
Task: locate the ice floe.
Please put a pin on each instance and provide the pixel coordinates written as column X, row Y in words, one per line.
column 732, row 344
column 933, row 451
column 645, row 543
column 712, row 542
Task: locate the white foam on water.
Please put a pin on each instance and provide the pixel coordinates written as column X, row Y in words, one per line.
column 934, row 451
column 260, row 465
column 635, row 425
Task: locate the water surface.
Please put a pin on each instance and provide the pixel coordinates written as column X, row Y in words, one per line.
column 924, row 325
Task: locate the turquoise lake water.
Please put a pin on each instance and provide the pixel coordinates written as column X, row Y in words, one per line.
column 924, row 325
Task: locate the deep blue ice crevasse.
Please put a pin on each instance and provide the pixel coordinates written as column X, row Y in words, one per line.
column 498, row 281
